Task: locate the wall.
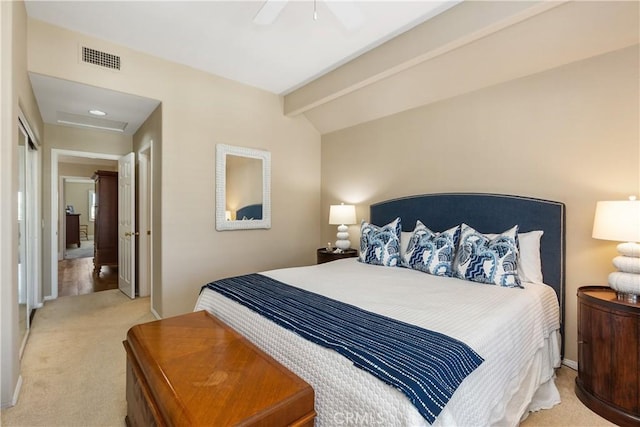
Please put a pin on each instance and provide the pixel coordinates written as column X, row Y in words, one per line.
column 150, row 135
column 16, row 93
column 72, row 139
column 569, row 134
column 198, row 111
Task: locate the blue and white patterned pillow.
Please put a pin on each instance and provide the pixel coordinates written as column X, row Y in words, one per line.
column 380, row 245
column 431, row 252
column 484, row 260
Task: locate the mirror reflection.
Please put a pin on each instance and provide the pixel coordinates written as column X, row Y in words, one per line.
column 243, row 188
column 243, row 199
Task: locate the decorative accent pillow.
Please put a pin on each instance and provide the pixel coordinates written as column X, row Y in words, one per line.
column 431, row 252
column 485, row 260
column 380, row 245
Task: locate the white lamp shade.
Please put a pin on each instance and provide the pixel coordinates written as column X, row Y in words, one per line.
column 342, row 214
column 618, row 221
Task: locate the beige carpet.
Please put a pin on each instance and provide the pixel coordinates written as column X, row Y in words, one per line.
column 74, row 367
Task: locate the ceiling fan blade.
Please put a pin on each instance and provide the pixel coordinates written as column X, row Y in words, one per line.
column 347, row 12
column 269, row 12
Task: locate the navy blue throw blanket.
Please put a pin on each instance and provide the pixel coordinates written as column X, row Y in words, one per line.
column 426, row 366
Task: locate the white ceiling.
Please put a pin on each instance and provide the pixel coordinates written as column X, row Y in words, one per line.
column 475, row 44
column 220, row 36
column 62, row 102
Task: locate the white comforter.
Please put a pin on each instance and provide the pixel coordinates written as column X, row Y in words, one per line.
column 514, row 330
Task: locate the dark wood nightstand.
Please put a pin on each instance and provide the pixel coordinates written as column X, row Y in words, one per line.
column 608, row 380
column 325, row 256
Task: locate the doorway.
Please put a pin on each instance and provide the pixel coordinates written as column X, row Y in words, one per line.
column 78, row 195
column 58, row 223
column 108, row 279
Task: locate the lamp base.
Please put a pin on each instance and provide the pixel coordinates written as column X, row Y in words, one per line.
column 627, row 284
column 626, row 297
column 343, row 238
column 631, row 249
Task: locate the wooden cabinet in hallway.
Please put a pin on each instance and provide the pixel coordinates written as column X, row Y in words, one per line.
column 106, row 224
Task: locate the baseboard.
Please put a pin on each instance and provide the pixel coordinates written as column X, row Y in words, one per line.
column 570, row 363
column 16, row 393
column 155, row 313
column 49, row 298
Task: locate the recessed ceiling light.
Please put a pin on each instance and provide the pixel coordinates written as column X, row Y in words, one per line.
column 97, row 113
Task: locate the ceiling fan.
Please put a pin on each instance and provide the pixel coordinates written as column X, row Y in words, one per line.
column 349, row 15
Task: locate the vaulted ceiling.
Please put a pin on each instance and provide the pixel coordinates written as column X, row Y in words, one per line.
column 398, row 56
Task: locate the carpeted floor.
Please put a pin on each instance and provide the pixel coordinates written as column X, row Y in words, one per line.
column 73, row 367
column 570, row 412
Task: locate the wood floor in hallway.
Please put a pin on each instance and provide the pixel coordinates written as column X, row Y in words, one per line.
column 75, row 277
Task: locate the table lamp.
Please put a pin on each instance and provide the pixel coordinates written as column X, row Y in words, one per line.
column 342, row 215
column 620, row 221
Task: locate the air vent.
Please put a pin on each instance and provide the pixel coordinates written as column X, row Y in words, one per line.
column 102, row 59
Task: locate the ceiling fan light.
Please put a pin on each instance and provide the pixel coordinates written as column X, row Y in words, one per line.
column 96, row 112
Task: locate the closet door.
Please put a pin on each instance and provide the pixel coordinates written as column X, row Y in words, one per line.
column 28, row 228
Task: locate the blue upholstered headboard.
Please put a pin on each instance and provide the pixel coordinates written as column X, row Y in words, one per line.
column 249, row 212
column 488, row 213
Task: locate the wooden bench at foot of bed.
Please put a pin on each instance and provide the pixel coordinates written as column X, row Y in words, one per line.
column 194, row 370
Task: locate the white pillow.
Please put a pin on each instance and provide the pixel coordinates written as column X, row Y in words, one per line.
column 529, row 264
column 530, row 267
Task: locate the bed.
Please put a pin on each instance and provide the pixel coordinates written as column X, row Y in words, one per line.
column 249, row 212
column 516, row 332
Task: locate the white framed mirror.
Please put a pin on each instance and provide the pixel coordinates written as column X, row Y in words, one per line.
column 243, row 188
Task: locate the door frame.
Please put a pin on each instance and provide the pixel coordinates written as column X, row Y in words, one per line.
column 55, row 197
column 144, row 158
column 67, row 179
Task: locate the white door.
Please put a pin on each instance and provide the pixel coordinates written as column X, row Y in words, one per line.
column 126, row 225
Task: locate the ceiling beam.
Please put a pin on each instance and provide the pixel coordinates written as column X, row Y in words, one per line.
column 458, row 26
